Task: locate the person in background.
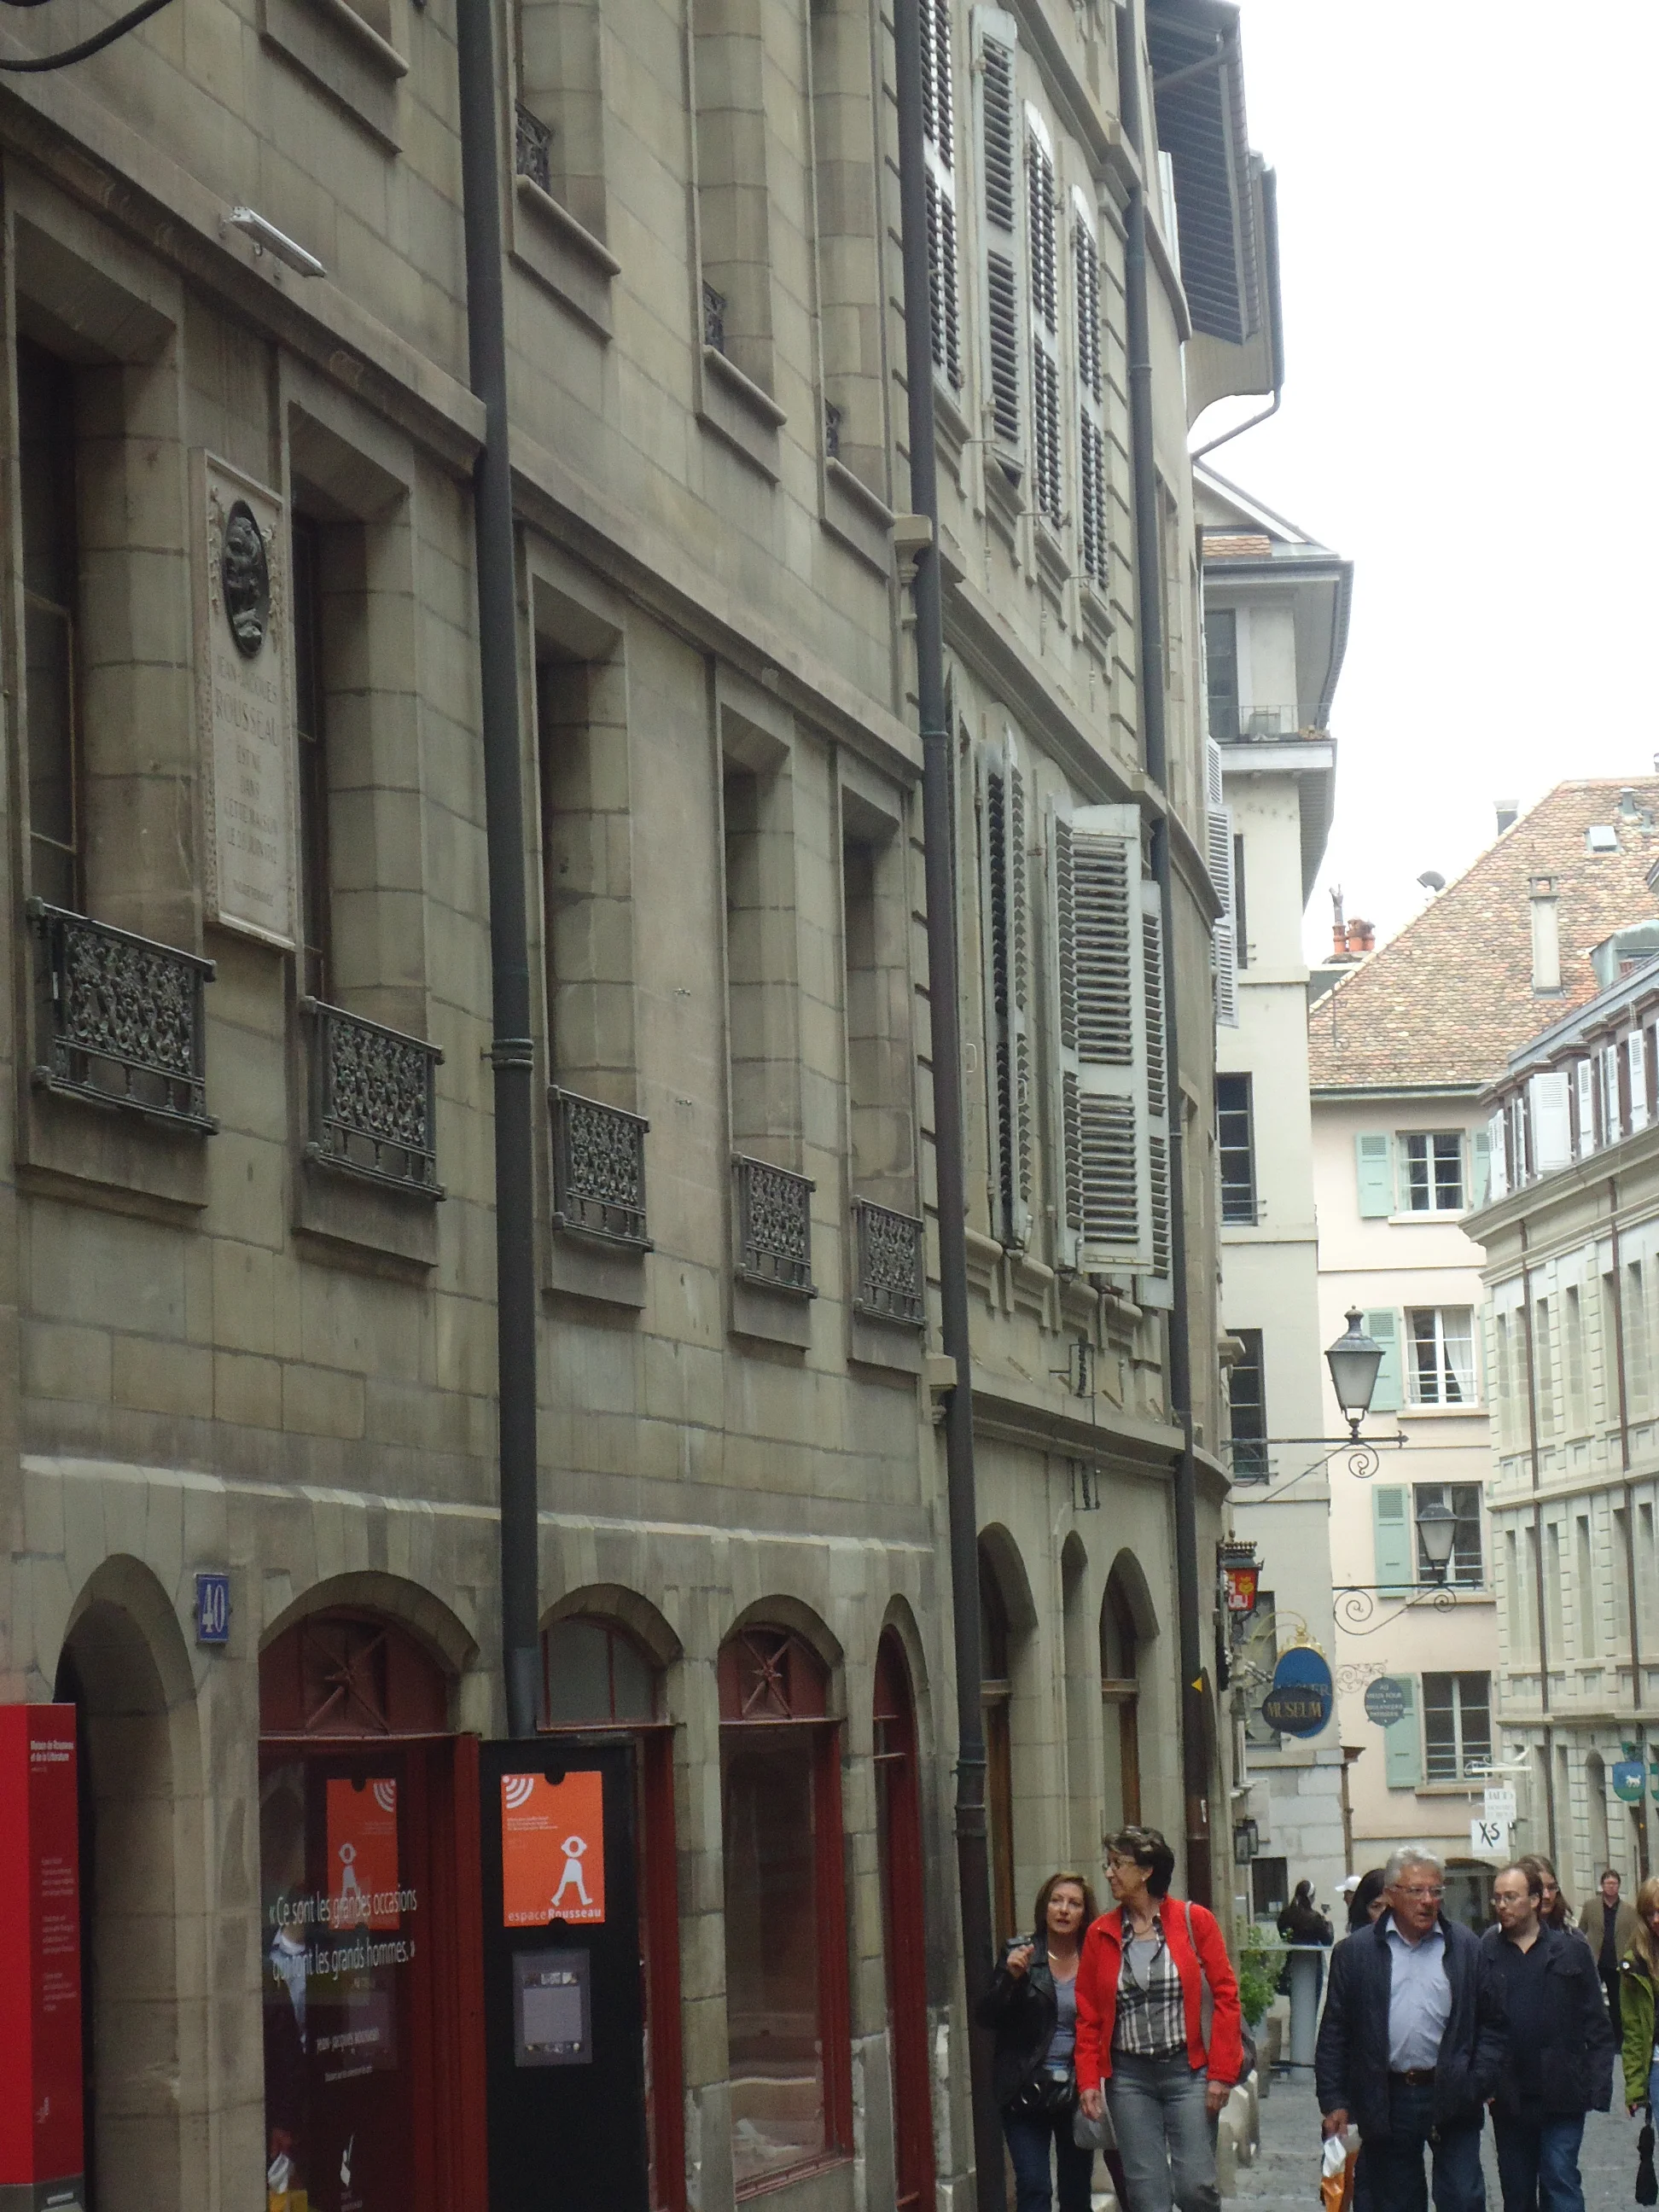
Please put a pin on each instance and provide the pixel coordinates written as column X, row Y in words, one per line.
column 1609, row 1924
column 1032, row 2006
column 1301, row 1922
column 1412, row 2045
column 1639, row 1981
column 1557, row 1914
column 1560, row 2046
column 1368, row 1901
column 1144, row 2047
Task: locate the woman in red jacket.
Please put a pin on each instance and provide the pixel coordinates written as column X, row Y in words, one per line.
column 1157, row 2028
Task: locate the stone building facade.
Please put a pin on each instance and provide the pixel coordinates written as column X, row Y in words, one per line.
column 245, row 1170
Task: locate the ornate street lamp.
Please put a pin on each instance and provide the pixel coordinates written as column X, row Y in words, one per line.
column 1353, row 1360
column 1436, row 1529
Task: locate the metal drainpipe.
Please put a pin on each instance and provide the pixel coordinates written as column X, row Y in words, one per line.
column 510, row 1052
column 973, row 1857
column 1631, row 1589
column 1149, row 601
column 1538, row 1544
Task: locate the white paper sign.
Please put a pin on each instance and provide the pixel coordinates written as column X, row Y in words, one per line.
column 242, row 711
column 1499, row 1805
column 1486, row 1836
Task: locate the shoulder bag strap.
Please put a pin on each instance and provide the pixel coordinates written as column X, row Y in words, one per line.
column 1206, row 2002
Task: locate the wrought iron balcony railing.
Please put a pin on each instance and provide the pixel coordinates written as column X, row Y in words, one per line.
column 775, row 1226
column 372, row 1101
column 120, row 1018
column 598, row 1170
column 532, row 148
column 888, row 1257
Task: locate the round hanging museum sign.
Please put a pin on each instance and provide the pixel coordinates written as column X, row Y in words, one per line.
column 1302, row 1695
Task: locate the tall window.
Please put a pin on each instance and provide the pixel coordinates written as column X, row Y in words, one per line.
column 308, row 717
column 1221, row 662
column 904, row 1922
column 938, row 146
column 1462, row 1501
column 1431, row 1172
column 1247, row 1401
column 786, row 1920
column 1456, row 1727
column 1240, row 928
column 46, row 491
column 1120, row 1693
column 1091, row 423
column 1236, row 1142
column 1443, row 1355
column 1041, row 241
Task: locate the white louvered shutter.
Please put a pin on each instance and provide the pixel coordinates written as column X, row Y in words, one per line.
column 1638, row 1081
column 1042, row 260
column 1157, row 1287
column 1551, row 1124
column 939, row 143
column 1091, row 416
column 1007, row 946
column 1584, row 1075
column 1066, row 1143
column 994, row 35
column 1498, row 1152
column 1613, row 1120
column 1111, row 1040
column 1219, row 824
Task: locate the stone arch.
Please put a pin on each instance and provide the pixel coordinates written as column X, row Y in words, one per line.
column 1128, row 1623
column 1130, row 1577
column 794, row 1613
column 998, row 1549
column 125, row 1667
column 393, row 1597
column 615, row 1602
column 901, row 1617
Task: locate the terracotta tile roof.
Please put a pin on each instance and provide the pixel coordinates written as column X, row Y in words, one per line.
column 1236, row 545
column 1449, row 998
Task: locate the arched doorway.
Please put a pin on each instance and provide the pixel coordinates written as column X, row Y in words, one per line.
column 1120, row 1696
column 369, row 1935
column 898, row 1847
column 131, row 1800
column 600, row 1682
column 787, row 2009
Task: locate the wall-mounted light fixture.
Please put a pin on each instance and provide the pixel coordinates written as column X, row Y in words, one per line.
column 267, row 239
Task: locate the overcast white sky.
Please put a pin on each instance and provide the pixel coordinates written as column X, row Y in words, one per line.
column 1467, row 204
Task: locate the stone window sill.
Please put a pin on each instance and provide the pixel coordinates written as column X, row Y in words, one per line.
column 362, row 1223
column 1094, row 616
column 734, row 407
column 853, row 514
column 334, row 46
column 1004, row 500
column 560, row 252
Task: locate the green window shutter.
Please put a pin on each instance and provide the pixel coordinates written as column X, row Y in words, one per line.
column 1403, row 1751
column 1391, row 1516
column 1376, row 1175
column 1384, row 1328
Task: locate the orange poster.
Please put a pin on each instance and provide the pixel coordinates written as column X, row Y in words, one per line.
column 363, row 1853
column 552, row 1850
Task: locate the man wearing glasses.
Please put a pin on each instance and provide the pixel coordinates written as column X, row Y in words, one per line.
column 1561, row 2043
column 1412, row 2043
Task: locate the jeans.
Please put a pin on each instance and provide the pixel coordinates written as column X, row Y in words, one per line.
column 1389, row 2175
column 1029, row 2140
column 1538, row 2161
column 1165, row 2137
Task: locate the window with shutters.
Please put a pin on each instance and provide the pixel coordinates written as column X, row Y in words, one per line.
column 1092, row 547
column 1067, row 1143
column 1236, row 1145
column 1391, row 1523
column 1117, row 1085
column 1383, row 1328
column 1219, row 823
column 1402, row 1749
column 1432, row 1171
column 1157, row 1288
column 1042, row 257
column 1462, row 1500
column 1006, row 931
column 1456, row 1727
column 938, row 146
column 1443, row 1355
column 999, row 186
column 1373, row 1156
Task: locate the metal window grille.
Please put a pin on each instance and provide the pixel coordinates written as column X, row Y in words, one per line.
column 598, row 1170
column 713, row 318
column 889, row 1254
column 775, row 1226
column 533, row 148
column 373, row 1101
column 121, row 1018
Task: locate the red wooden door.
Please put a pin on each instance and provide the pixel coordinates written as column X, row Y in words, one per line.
column 898, row 1816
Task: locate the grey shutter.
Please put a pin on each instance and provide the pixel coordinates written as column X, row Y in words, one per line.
column 1157, row 1288
column 1403, row 1747
column 1111, row 1037
column 1093, row 537
column 1497, row 1156
column 994, row 36
column 1584, row 1071
column 938, row 140
column 1374, row 1170
column 1551, row 1122
column 1639, row 1080
column 1396, row 1538
column 1219, row 823
column 1041, row 257
column 1007, row 948
column 1383, row 1328
column 1482, row 1144
column 1065, row 1144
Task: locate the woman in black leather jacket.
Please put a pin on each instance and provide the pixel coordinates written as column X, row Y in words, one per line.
column 1031, row 2006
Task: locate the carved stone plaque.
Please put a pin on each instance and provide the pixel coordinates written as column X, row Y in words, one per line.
column 241, row 663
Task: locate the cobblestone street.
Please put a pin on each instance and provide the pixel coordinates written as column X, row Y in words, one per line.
column 1285, row 2175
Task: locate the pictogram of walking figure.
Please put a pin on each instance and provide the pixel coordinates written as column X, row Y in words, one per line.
column 575, row 1848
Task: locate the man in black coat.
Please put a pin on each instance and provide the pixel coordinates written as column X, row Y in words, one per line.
column 1412, row 2043
column 1561, row 2049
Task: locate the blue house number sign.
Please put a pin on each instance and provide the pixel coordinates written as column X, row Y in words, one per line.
column 212, row 1608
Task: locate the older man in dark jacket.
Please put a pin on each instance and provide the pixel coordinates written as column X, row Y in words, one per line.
column 1561, row 2050
column 1412, row 2043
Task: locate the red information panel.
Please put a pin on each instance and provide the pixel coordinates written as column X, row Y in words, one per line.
column 40, row 1956
column 552, row 1848
column 363, row 1853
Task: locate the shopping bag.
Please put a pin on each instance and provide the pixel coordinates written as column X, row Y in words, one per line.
column 1337, row 2164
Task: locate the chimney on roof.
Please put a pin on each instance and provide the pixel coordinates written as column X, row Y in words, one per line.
column 1545, row 936
column 1507, row 810
column 1339, row 935
column 1361, row 937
